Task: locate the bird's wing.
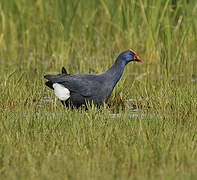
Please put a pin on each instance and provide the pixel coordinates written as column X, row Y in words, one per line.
column 85, row 84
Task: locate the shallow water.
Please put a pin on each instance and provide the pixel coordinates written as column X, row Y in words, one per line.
column 184, row 76
column 133, row 115
column 136, row 112
column 113, row 115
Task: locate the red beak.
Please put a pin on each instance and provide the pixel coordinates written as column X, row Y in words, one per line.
column 136, row 57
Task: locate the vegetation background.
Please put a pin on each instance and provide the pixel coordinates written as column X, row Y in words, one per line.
column 148, row 130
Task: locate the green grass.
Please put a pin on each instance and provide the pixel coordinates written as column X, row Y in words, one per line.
column 40, row 139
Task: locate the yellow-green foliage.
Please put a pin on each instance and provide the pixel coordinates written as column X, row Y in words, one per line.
column 40, row 139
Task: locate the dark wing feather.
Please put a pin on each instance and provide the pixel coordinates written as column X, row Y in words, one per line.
column 64, row 71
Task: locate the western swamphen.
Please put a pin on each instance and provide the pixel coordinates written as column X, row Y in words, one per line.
column 79, row 89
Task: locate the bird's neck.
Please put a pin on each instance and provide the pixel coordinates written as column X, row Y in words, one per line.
column 115, row 72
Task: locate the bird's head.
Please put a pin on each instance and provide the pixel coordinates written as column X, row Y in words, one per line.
column 129, row 56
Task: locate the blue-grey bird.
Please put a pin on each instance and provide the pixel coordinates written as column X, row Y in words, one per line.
column 79, row 89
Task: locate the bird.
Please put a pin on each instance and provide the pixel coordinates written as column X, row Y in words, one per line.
column 79, row 90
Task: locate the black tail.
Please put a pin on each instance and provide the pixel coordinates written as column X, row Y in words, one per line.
column 50, row 77
column 49, row 84
column 53, row 78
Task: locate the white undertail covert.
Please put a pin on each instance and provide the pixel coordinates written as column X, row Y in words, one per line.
column 61, row 92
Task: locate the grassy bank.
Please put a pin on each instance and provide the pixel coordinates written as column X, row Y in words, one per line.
column 148, row 128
